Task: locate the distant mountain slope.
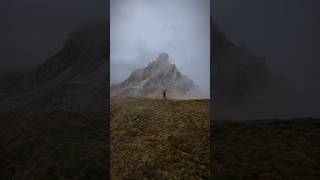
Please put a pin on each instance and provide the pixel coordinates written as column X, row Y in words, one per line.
column 74, row 78
column 243, row 86
column 154, row 78
column 237, row 74
column 77, row 76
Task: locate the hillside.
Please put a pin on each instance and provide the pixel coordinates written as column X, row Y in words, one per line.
column 152, row 139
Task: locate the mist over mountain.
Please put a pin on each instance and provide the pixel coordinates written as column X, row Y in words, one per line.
column 245, row 87
column 157, row 76
column 75, row 78
column 238, row 74
column 142, row 29
column 286, row 35
column 34, row 30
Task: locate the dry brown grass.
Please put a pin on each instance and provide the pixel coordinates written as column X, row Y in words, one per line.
column 155, row 139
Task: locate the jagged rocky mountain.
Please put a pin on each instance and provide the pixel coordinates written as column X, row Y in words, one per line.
column 237, row 74
column 75, row 78
column 154, row 78
column 242, row 85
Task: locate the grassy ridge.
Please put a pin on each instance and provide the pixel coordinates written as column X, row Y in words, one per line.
column 157, row 139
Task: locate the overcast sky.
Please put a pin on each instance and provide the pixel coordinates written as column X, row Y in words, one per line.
column 141, row 29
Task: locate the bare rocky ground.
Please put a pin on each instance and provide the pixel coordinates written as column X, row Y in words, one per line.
column 53, row 145
column 266, row 149
column 159, row 139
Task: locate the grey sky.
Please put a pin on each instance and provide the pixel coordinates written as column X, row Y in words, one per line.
column 140, row 29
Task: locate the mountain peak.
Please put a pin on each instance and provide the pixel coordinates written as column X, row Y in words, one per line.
column 149, row 81
column 161, row 65
column 163, row 58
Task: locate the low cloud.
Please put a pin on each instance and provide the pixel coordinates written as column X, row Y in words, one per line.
column 141, row 29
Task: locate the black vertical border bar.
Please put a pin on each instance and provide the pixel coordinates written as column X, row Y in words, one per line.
column 211, row 90
column 108, row 139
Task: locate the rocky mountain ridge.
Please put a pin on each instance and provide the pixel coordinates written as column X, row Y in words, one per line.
column 75, row 78
column 153, row 79
column 237, row 74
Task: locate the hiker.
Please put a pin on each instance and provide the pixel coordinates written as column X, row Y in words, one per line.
column 164, row 96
